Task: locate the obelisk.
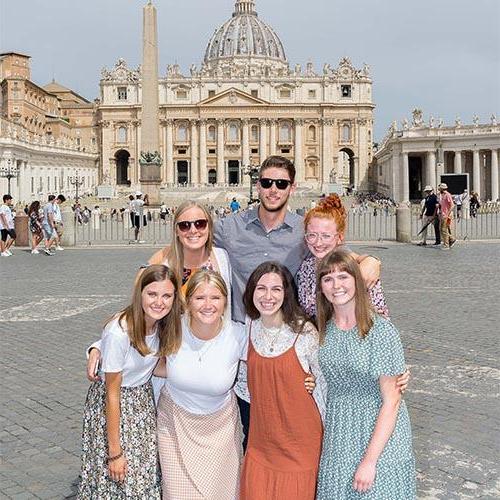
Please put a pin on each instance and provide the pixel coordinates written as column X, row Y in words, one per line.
column 150, row 159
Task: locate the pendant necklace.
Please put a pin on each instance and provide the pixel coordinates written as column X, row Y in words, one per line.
column 272, row 334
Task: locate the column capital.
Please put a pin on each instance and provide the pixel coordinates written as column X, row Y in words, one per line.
column 299, row 121
column 245, row 121
column 263, row 121
column 220, row 121
column 194, row 122
column 328, row 121
column 202, row 121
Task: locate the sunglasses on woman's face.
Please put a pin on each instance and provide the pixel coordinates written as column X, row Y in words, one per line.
column 199, row 224
column 282, row 184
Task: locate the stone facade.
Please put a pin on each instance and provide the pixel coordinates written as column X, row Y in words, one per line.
column 47, row 135
column 242, row 104
column 418, row 153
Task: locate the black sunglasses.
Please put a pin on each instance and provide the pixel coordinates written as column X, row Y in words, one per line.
column 185, row 225
column 266, row 183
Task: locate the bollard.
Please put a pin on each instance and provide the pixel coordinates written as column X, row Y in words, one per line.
column 69, row 235
column 403, row 224
column 22, row 230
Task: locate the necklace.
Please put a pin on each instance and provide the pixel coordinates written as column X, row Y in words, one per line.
column 207, row 344
column 272, row 335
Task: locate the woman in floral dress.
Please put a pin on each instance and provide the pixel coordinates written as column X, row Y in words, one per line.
column 325, row 227
column 35, row 225
column 119, row 449
column 367, row 444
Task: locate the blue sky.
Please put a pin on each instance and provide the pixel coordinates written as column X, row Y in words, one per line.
column 440, row 55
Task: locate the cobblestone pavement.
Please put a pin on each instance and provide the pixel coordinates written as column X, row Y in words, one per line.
column 445, row 304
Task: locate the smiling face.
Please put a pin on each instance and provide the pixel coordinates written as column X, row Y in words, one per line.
column 207, row 304
column 269, row 294
column 338, row 287
column 157, row 300
column 274, row 199
column 192, row 239
column 322, row 236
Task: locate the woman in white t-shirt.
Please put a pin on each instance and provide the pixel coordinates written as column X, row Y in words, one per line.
column 199, row 427
column 119, row 450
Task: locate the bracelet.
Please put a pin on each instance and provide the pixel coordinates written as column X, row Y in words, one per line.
column 116, row 457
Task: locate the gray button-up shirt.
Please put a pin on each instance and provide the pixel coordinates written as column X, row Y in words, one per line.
column 249, row 244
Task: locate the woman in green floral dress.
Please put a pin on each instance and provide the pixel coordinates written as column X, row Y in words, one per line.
column 367, row 445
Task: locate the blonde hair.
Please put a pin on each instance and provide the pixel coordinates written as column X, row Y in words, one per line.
column 175, row 254
column 169, row 327
column 208, row 277
column 329, row 208
column 342, row 261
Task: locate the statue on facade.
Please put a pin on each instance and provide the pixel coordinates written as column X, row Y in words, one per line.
column 440, row 122
column 193, row 70
column 310, row 69
column 366, row 70
column 406, row 124
column 493, row 119
column 149, row 158
column 326, row 69
column 475, row 121
column 394, row 127
column 333, row 176
column 418, row 117
column 298, row 70
column 431, row 122
column 458, row 122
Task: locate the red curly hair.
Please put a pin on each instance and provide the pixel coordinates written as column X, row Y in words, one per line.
column 329, row 208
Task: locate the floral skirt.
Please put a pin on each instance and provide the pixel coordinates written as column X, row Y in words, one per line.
column 138, row 440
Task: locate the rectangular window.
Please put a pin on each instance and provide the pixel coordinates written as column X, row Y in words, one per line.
column 181, row 94
column 182, row 151
column 285, row 150
column 255, row 151
column 122, row 93
column 211, row 93
column 211, row 151
column 255, row 93
column 285, row 93
column 346, row 90
column 312, row 94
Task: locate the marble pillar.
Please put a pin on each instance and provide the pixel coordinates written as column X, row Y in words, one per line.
column 170, row 152
column 203, row 152
column 273, row 123
column 476, row 172
column 327, row 153
column 221, row 168
column 405, row 178
column 430, row 174
column 245, row 146
column 299, row 161
column 494, row 174
column 263, row 140
column 457, row 163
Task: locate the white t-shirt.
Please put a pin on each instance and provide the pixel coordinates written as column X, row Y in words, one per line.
column 57, row 213
column 137, row 206
column 201, row 374
column 118, row 355
column 7, row 213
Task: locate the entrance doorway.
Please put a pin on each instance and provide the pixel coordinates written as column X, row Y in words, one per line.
column 233, row 171
column 182, row 172
column 347, row 157
column 122, row 160
column 212, row 176
column 415, row 177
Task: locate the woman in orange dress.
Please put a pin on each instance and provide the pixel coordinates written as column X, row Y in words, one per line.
column 284, row 446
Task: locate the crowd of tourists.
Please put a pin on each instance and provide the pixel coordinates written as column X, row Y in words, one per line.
column 256, row 360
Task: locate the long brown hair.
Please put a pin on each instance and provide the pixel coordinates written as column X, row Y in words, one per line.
column 342, row 261
column 175, row 254
column 291, row 311
column 329, row 208
column 169, row 327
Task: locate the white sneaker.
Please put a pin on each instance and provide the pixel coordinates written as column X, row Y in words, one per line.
column 142, row 241
column 8, row 252
column 5, row 254
column 60, row 248
column 34, row 251
column 47, row 251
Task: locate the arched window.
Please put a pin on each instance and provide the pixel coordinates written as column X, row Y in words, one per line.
column 122, row 134
column 285, row 133
column 346, row 132
column 254, row 134
column 211, row 133
column 182, row 133
column 233, row 133
column 311, row 133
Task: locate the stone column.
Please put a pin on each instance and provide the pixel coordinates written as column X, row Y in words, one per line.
column 245, row 147
column 327, row 149
column 194, row 177
column 476, row 172
column 457, row 163
column 396, row 169
column 431, row 169
column 494, row 174
column 272, row 136
column 221, row 169
column 406, row 178
column 170, row 152
column 299, row 161
column 263, row 139
column 440, row 168
column 203, row 152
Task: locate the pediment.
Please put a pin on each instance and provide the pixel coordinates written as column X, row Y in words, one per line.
column 233, row 97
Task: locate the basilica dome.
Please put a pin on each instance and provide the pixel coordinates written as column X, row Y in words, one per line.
column 244, row 36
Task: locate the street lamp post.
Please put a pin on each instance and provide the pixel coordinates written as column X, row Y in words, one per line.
column 9, row 172
column 253, row 172
column 77, row 181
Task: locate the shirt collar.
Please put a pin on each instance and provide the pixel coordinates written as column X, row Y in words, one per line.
column 251, row 216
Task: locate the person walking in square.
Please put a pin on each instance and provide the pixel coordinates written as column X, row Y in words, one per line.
column 6, row 226
column 58, row 222
column 367, row 445
column 48, row 224
column 446, row 216
column 35, row 225
column 429, row 214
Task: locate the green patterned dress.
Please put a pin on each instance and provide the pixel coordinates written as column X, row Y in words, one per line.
column 352, row 367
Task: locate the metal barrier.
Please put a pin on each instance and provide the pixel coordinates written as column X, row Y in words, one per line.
column 370, row 227
column 485, row 226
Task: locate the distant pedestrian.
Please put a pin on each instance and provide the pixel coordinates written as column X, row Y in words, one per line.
column 131, row 210
column 429, row 214
column 163, row 213
column 137, row 207
column 96, row 218
column 35, row 215
column 48, row 225
column 235, row 205
column 58, row 220
column 446, row 216
column 474, row 204
column 458, row 203
column 6, row 226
